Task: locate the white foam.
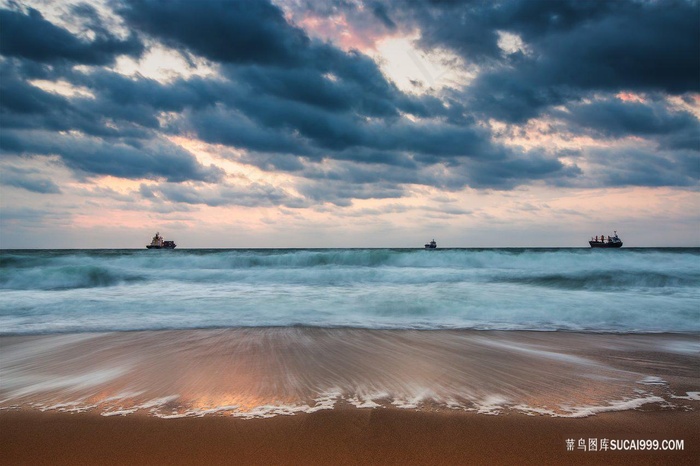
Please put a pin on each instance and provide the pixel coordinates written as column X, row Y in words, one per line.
column 68, row 407
column 492, row 404
column 368, row 400
column 326, row 400
column 267, row 411
column 692, row 396
column 622, row 405
column 489, row 405
column 652, row 380
column 119, row 412
column 530, row 411
column 419, row 396
column 153, row 405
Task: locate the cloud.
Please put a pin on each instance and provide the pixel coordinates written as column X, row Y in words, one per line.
column 255, row 194
column 227, row 31
column 381, row 12
column 616, row 118
column 289, row 102
column 27, row 107
column 567, row 50
column 30, row 36
column 633, row 166
column 647, row 47
column 341, row 192
column 26, row 178
column 520, row 169
column 154, row 159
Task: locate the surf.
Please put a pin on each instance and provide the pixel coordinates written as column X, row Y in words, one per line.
column 650, row 290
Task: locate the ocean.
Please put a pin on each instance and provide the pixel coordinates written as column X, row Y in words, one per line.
column 627, row 290
column 254, row 333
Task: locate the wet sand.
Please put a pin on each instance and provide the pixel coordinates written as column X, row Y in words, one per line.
column 346, row 396
column 353, row 436
column 264, row 372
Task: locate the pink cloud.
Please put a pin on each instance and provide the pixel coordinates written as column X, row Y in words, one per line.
column 630, row 97
column 339, row 29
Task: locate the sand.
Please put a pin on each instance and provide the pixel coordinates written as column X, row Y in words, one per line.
column 438, row 397
column 305, row 369
column 340, row 436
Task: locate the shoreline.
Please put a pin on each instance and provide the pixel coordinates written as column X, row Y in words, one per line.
column 261, row 372
column 346, row 396
column 660, row 333
column 341, row 436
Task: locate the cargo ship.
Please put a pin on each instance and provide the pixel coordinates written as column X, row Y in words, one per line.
column 603, row 242
column 159, row 243
column 431, row 245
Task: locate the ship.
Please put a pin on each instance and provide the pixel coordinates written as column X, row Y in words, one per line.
column 159, row 243
column 431, row 245
column 603, row 242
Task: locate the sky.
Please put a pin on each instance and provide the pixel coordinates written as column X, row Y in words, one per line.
column 349, row 123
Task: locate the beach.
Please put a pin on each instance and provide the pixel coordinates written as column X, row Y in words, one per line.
column 312, row 232
column 348, row 396
column 350, row 356
column 364, row 436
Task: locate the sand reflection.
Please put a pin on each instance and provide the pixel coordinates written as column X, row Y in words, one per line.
column 271, row 371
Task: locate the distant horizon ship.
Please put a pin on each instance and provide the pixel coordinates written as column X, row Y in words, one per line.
column 159, row 243
column 602, row 242
column 431, row 245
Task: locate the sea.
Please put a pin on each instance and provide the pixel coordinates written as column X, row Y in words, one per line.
column 264, row 332
column 589, row 290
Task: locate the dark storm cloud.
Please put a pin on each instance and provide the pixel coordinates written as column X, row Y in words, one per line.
column 381, row 12
column 333, row 81
column 573, row 48
column 509, row 173
column 228, row 31
column 141, row 91
column 615, row 118
column 28, row 35
column 267, row 57
column 232, row 128
column 28, row 179
column 643, row 167
column 25, row 106
column 19, row 97
column 154, row 159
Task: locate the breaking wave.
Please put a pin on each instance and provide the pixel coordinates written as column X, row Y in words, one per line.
column 626, row 290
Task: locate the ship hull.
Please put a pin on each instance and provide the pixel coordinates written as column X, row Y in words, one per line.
column 160, row 247
column 598, row 244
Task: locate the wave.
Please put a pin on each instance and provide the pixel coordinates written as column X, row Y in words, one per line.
column 607, row 280
column 48, row 273
column 62, row 278
column 506, row 289
column 564, row 269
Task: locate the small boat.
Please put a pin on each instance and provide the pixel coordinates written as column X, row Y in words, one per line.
column 159, row 243
column 603, row 242
column 431, row 245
